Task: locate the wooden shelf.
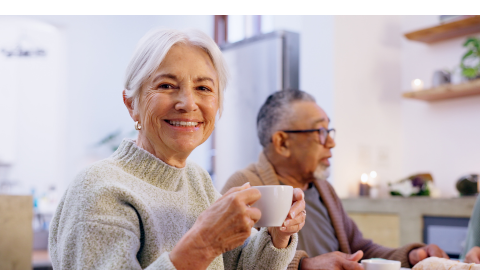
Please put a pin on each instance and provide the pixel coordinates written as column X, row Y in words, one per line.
column 447, row 91
column 446, row 31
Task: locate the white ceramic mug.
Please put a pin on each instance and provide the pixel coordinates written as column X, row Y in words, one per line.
column 274, row 204
column 381, row 265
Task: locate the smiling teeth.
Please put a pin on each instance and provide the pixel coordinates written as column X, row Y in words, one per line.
column 183, row 124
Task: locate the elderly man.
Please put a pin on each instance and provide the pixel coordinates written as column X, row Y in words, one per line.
column 296, row 140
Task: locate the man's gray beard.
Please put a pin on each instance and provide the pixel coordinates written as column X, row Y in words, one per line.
column 322, row 172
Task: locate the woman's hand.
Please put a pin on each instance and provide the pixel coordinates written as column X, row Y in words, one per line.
column 225, row 225
column 294, row 222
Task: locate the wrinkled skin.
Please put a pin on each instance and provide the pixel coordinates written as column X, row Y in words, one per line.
column 333, row 261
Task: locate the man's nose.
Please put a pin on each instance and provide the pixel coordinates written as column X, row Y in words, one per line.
column 330, row 143
column 186, row 100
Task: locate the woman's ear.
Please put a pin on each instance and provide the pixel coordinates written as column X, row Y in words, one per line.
column 281, row 144
column 130, row 106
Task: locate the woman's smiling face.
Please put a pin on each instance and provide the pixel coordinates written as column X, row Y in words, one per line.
column 179, row 102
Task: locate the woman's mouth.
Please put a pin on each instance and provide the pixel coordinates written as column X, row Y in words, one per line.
column 182, row 123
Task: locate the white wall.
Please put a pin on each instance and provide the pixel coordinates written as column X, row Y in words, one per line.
column 438, row 137
column 367, row 102
column 98, row 50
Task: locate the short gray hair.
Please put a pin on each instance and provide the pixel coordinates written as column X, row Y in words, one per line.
column 154, row 46
column 275, row 110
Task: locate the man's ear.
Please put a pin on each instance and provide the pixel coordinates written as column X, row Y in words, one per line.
column 129, row 104
column 281, row 144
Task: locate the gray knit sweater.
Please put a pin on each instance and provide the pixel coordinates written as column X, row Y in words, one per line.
column 128, row 211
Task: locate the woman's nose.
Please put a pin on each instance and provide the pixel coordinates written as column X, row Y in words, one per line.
column 186, row 100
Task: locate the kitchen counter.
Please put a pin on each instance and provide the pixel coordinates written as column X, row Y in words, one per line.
column 399, row 220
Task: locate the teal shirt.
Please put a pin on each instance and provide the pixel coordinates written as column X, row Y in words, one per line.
column 473, row 234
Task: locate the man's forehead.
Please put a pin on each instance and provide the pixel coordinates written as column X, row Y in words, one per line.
column 308, row 113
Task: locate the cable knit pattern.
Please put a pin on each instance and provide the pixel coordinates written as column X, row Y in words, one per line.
column 128, row 211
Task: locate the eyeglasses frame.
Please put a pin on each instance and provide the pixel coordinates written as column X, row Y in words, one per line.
column 313, row 130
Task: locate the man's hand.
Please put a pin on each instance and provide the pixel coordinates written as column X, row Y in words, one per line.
column 473, row 256
column 333, row 261
column 432, row 250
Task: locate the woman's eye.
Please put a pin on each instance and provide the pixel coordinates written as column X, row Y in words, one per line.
column 165, row 86
column 203, row 88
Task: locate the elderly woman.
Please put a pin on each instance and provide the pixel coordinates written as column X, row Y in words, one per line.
column 146, row 206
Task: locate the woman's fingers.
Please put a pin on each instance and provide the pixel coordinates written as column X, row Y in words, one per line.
column 248, row 196
column 298, row 203
column 297, row 195
column 254, row 214
column 236, row 189
column 299, row 219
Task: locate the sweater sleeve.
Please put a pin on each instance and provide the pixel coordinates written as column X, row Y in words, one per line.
column 473, row 233
column 93, row 245
column 369, row 248
column 258, row 252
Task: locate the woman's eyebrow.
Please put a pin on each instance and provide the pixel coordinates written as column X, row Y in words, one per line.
column 161, row 76
column 202, row 79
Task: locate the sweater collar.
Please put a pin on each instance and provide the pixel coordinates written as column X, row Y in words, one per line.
column 142, row 164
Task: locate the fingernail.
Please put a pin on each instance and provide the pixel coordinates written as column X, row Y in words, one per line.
column 293, row 214
column 283, row 228
column 247, row 183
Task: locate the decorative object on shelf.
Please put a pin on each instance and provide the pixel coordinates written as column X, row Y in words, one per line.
column 470, row 63
column 441, row 77
column 415, row 185
column 468, row 185
column 374, row 186
column 456, row 76
column 417, row 84
column 364, row 190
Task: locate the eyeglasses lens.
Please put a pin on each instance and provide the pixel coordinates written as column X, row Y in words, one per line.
column 332, row 134
column 324, row 134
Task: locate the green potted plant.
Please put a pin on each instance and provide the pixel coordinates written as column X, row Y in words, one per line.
column 470, row 63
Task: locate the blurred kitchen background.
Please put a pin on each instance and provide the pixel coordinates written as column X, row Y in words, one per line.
column 405, row 108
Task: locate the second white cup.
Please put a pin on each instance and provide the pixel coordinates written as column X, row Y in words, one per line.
column 274, row 204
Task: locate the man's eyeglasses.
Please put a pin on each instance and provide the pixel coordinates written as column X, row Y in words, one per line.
column 323, row 133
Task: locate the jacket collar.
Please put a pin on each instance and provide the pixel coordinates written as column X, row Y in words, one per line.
column 267, row 173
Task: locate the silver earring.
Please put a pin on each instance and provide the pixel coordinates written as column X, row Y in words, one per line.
column 137, row 125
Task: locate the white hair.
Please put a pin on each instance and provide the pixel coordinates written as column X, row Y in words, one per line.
column 154, row 46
